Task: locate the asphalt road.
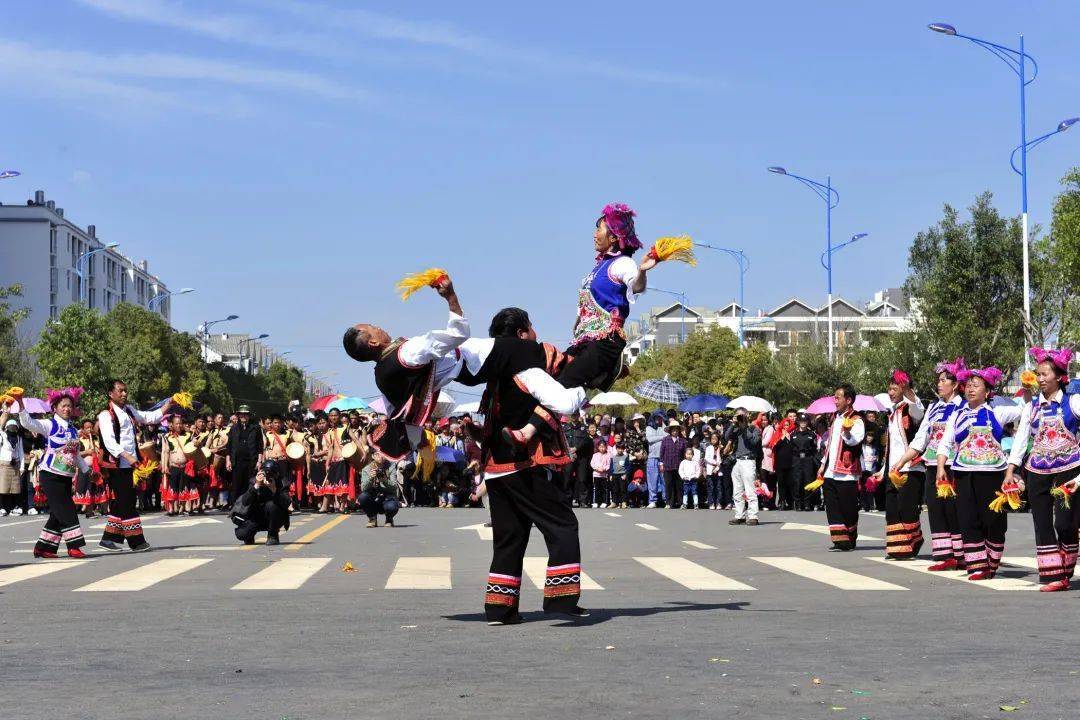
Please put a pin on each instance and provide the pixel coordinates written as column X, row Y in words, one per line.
column 694, row 619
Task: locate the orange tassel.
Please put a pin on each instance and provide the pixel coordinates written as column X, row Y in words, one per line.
column 897, row 479
column 1063, row 494
column 428, row 278
column 679, row 247
column 946, row 490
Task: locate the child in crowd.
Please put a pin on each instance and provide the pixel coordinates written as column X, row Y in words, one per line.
column 637, row 489
column 601, row 467
column 871, row 466
column 620, row 462
column 689, row 471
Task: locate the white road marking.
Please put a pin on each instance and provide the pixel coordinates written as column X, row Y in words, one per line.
column 9, row 576
column 690, row 575
column 483, row 532
column 40, row 519
column 420, row 573
column 646, row 526
column 1024, row 562
column 287, row 574
column 613, row 514
column 820, row 530
column 994, row 584
column 536, row 570
column 145, row 576
column 698, row 545
column 827, row 574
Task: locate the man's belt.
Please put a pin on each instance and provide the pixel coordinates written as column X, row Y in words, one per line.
column 745, row 457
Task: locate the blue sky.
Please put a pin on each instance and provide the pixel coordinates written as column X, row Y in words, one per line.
column 291, row 160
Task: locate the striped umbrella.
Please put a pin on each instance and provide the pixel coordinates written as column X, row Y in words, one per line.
column 662, row 391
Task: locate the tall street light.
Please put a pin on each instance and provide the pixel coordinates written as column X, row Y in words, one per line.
column 240, row 345
column 826, row 192
column 1017, row 61
column 156, row 300
column 206, row 333
column 744, row 263
column 81, row 261
column 682, row 303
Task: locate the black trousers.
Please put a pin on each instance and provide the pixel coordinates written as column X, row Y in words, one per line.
column 518, row 501
column 595, row 365
column 673, row 488
column 842, row 512
column 903, row 528
column 617, row 489
column 1055, row 526
column 242, row 472
column 63, row 522
column 983, row 529
column 803, row 472
column 264, row 515
column 372, row 505
column 727, row 488
column 785, row 488
column 123, row 522
column 946, row 540
column 583, row 483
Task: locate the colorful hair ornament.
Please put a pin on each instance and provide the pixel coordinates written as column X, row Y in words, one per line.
column 1058, row 358
column 428, row 278
column 900, row 377
column 54, row 396
column 619, row 219
column 954, row 368
column 990, row 375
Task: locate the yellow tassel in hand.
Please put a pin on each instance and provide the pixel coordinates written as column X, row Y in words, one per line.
column 144, row 470
column 1063, row 495
column 675, row 247
column 183, row 399
column 812, row 486
column 5, row 399
column 946, row 490
column 428, row 278
column 897, row 479
column 1029, row 380
column 998, row 503
column 15, row 392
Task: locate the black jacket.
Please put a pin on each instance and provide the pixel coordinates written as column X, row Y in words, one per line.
column 245, row 442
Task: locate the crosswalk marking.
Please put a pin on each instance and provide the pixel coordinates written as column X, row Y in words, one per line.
column 646, row 526
column 698, row 545
column 1000, row 583
column 536, row 570
column 690, row 575
column 827, row 574
column 1024, row 562
column 286, row 574
column 820, row 530
column 613, row 514
column 144, row 576
column 11, row 575
column 420, row 573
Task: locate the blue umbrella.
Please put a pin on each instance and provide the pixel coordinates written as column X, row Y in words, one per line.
column 1073, row 388
column 703, row 403
column 445, row 453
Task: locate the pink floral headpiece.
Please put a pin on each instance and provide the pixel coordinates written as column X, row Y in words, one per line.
column 954, row 368
column 990, row 375
column 619, row 219
column 900, row 377
column 1058, row 358
column 72, row 393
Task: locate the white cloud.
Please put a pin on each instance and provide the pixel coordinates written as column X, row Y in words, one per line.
column 81, row 177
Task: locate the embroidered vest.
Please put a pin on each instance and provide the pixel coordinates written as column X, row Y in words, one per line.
column 602, row 304
column 978, row 440
column 1054, row 430
column 937, row 418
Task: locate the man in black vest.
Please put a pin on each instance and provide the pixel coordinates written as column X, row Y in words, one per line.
column 245, row 446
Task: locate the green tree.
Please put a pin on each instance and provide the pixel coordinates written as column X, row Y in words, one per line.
column 282, row 383
column 16, row 366
column 142, row 353
column 1056, row 270
column 73, row 350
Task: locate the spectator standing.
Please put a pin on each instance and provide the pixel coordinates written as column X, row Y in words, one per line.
column 672, row 450
column 804, row 463
column 601, row 468
column 584, row 452
column 744, row 440
column 689, row 472
column 654, row 436
column 713, row 456
column 620, row 464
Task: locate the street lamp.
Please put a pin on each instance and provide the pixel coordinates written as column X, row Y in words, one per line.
column 240, row 345
column 744, row 262
column 206, row 333
column 8, row 174
column 1017, row 61
column 82, row 260
column 826, row 192
column 156, row 300
column 682, row 303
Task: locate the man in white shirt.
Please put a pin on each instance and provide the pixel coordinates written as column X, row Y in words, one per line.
column 118, row 425
column 903, row 499
column 841, row 469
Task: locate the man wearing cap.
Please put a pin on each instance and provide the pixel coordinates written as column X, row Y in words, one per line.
column 672, row 449
column 245, row 447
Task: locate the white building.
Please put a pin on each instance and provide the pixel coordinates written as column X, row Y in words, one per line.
column 40, row 250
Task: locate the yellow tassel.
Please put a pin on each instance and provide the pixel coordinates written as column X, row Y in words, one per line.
column 998, row 503
column 1028, row 380
column 15, row 392
column 428, row 278
column 1063, row 496
column 5, row 399
column 1013, row 498
column 897, row 479
column 677, row 247
column 144, row 470
column 946, row 490
column 183, row 399
column 812, row 486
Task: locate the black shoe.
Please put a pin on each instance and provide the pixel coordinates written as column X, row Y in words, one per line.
column 736, row 521
column 576, row 611
column 145, row 547
column 514, row 619
column 110, row 546
column 752, row 521
column 271, row 540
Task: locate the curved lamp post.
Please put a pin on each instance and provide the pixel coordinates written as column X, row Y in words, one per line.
column 156, row 300
column 81, row 262
column 682, row 302
column 744, row 263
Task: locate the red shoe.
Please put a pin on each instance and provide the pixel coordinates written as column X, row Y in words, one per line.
column 1056, row 586
column 76, row 553
column 44, row 554
column 949, row 564
column 982, row 575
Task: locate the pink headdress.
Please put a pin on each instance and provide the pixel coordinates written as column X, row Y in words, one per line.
column 954, row 368
column 619, row 219
column 1058, row 358
column 900, row 377
column 72, row 393
column 990, row 375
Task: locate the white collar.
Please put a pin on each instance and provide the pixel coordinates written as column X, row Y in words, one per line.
column 1040, row 399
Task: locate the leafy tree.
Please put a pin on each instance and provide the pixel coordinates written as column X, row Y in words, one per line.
column 1056, row 270
column 74, row 350
column 282, row 383
column 142, row 353
column 16, row 367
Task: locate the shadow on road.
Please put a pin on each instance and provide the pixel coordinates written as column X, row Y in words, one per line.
column 603, row 615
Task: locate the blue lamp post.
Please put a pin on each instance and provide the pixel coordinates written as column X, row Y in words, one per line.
column 240, row 346
column 156, row 300
column 1017, row 60
column 744, row 263
column 81, row 262
column 682, row 302
column 206, row 333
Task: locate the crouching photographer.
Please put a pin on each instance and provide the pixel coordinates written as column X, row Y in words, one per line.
column 264, row 507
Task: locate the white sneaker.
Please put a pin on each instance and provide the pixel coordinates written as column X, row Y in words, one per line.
column 3, row 513
column 603, row 506
column 32, row 511
column 651, row 505
column 17, row 511
column 595, row 505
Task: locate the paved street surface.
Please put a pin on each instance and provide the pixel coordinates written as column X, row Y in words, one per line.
column 692, row 618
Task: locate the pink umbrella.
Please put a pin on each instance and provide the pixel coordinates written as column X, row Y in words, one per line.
column 35, row 406
column 826, row 404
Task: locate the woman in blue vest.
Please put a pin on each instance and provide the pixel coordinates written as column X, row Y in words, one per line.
column 1051, row 421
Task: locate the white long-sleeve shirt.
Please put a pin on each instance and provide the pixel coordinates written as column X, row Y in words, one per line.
column 713, row 458
column 62, row 444
column 932, row 428
column 898, row 443
column 689, row 469
column 1023, row 428
column 126, row 442
column 837, row 436
column 438, row 346
column 547, row 391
